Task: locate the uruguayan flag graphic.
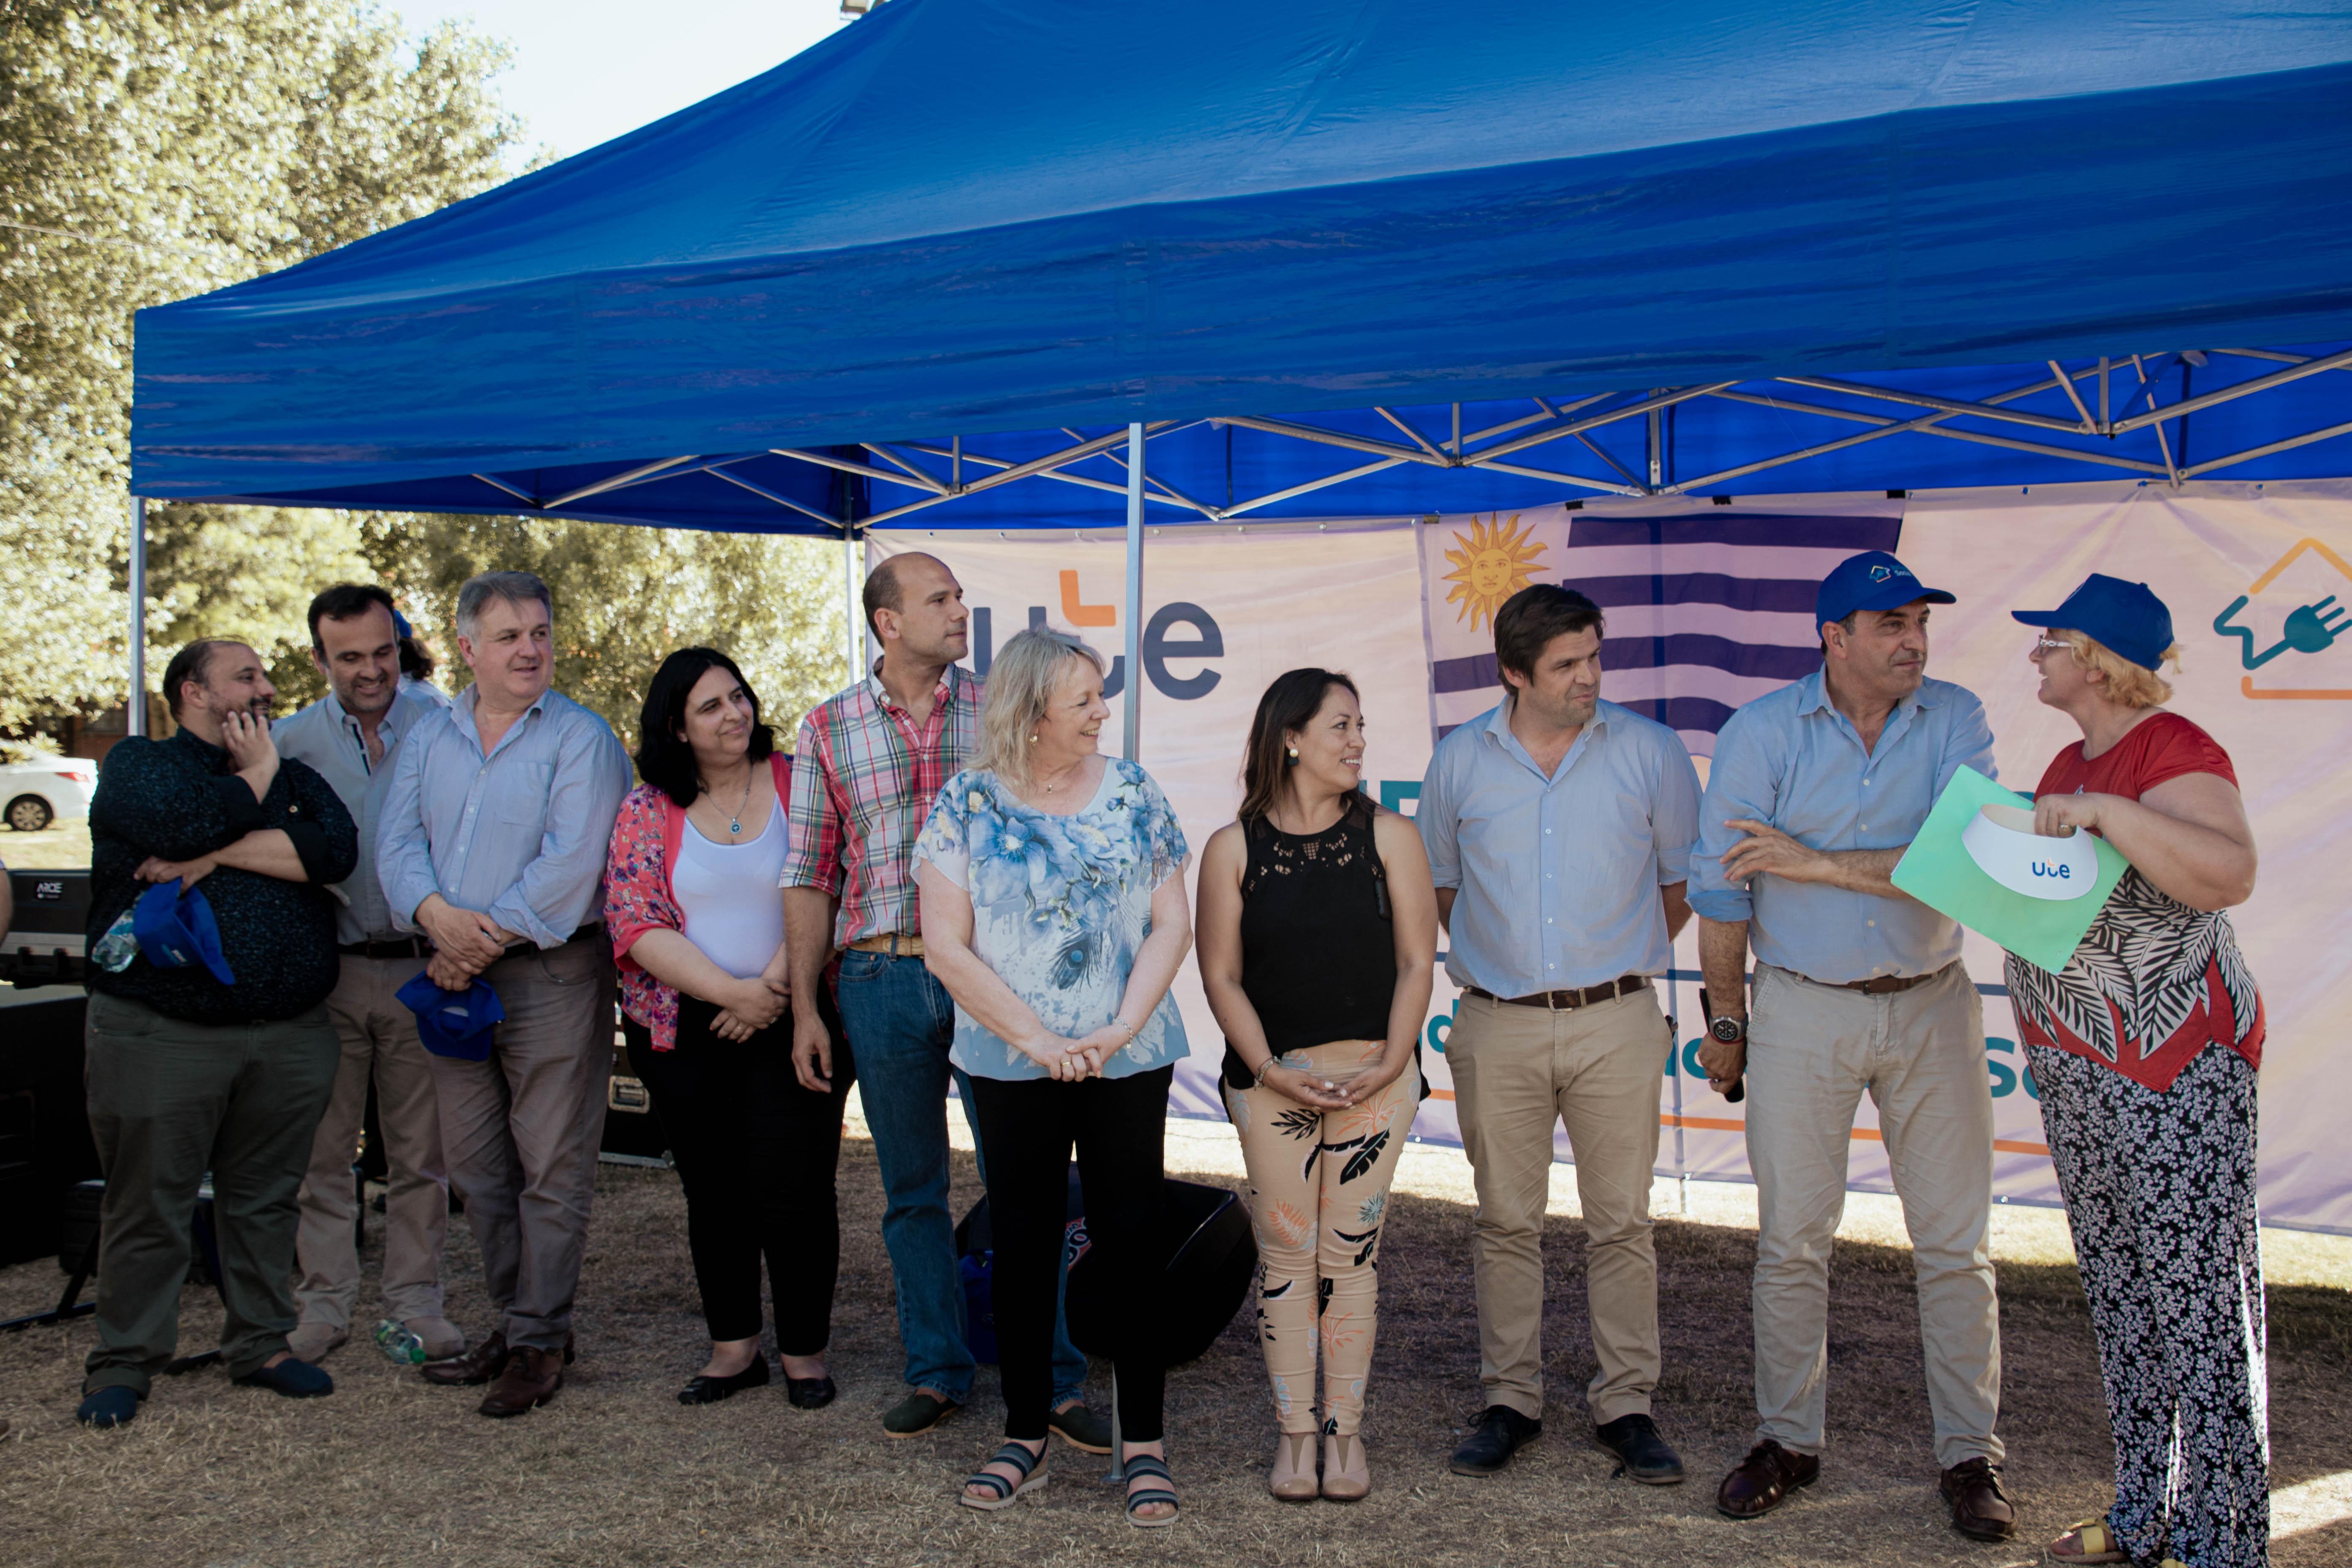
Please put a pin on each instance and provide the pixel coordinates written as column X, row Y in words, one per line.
column 1707, row 606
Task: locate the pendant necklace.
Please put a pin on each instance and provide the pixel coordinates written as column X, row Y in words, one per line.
column 735, row 819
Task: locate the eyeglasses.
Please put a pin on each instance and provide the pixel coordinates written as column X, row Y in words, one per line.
column 2043, row 645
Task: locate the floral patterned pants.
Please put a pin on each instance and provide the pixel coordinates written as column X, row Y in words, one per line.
column 2160, row 1190
column 1319, row 1189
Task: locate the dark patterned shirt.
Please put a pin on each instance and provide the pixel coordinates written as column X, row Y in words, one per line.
column 180, row 799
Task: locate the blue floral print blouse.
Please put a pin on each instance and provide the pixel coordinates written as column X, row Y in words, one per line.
column 1060, row 904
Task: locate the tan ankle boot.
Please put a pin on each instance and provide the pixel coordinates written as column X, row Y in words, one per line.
column 1294, row 1468
column 1346, row 1477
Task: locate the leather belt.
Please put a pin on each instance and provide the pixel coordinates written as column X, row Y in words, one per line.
column 1562, row 1001
column 386, row 947
column 1877, row 984
column 896, row 943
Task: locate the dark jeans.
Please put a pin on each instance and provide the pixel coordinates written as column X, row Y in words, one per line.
column 1029, row 1128
column 904, row 1023
column 756, row 1152
column 168, row 1101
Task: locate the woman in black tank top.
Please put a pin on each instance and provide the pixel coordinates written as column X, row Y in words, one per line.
column 1318, row 934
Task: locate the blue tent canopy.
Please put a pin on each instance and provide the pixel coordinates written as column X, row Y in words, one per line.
column 1359, row 256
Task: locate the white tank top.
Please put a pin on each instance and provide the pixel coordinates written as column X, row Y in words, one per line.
column 728, row 892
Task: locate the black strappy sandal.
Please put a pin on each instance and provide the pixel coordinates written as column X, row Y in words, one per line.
column 1152, row 1467
column 1017, row 1455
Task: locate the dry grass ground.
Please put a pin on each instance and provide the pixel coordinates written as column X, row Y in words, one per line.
column 616, row 1473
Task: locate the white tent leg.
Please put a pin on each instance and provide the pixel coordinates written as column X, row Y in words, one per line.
column 854, row 623
column 1134, row 720
column 135, row 707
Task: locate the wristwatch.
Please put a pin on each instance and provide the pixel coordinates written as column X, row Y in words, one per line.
column 1730, row 1031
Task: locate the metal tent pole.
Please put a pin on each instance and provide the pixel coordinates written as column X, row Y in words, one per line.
column 1134, row 722
column 134, row 710
column 854, row 624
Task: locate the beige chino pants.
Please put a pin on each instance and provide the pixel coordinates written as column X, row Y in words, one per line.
column 379, row 1045
column 1814, row 1050
column 1516, row 1072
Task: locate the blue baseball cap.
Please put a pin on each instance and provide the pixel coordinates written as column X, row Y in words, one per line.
column 2126, row 616
column 453, row 1023
column 1873, row 580
column 175, row 929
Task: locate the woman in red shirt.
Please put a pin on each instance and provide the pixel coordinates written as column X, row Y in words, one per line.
column 2145, row 1048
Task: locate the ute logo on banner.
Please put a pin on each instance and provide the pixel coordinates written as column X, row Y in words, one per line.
column 1207, row 641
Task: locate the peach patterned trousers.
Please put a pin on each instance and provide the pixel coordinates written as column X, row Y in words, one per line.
column 1318, row 1190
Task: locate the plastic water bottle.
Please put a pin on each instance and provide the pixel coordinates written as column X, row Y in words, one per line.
column 393, row 1338
column 118, row 947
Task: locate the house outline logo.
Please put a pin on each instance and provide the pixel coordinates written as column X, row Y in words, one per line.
column 2310, row 628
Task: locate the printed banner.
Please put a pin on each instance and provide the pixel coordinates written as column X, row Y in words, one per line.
column 1711, row 606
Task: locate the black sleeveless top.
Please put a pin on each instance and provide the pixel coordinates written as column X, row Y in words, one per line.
column 1318, row 942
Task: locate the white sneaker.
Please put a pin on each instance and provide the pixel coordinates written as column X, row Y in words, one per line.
column 312, row 1341
column 444, row 1341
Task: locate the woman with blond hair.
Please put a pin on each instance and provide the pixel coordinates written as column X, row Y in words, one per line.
column 1054, row 913
column 2145, row 1048
column 1318, row 937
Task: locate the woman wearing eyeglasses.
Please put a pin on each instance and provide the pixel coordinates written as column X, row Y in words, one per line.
column 2145, row 1048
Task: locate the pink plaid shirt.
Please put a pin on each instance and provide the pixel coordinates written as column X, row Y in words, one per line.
column 863, row 782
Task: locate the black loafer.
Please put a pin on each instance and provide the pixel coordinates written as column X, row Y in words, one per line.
column 1647, row 1456
column 809, row 1393
column 1502, row 1432
column 702, row 1390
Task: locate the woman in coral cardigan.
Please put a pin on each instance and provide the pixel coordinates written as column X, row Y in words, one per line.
column 697, row 926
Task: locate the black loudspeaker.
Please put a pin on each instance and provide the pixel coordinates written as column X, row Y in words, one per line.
column 45, row 1143
column 1211, row 1260
column 44, row 939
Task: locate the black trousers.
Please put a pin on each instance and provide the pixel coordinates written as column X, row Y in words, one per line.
column 1029, row 1128
column 756, row 1152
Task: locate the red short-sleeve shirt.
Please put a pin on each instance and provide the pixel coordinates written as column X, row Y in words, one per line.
column 2165, row 747
column 2161, row 748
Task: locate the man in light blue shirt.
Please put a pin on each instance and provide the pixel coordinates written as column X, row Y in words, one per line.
column 1559, row 829
column 352, row 737
column 1815, row 792
column 493, row 843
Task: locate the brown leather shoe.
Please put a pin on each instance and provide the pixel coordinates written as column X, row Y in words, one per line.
column 1981, row 1510
column 474, row 1368
column 1764, row 1481
column 530, row 1381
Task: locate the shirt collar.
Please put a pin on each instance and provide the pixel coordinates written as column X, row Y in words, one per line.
column 394, row 719
column 1814, row 696
column 945, row 690
column 1499, row 726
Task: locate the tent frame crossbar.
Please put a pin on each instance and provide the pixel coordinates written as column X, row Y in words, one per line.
column 917, row 466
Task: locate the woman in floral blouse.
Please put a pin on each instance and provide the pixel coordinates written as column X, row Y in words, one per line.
column 697, row 926
column 1054, row 913
column 2145, row 1048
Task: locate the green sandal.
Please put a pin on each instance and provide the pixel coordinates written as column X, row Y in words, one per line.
column 1017, row 1455
column 1153, row 1467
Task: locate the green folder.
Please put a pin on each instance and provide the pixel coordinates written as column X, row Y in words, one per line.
column 1938, row 871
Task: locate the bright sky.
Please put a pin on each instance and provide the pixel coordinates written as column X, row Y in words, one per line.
column 587, row 70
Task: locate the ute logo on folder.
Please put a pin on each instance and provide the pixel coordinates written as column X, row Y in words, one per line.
column 1977, row 859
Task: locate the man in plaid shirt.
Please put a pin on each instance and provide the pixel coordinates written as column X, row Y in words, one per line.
column 868, row 764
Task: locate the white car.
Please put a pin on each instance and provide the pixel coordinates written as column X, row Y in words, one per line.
column 45, row 790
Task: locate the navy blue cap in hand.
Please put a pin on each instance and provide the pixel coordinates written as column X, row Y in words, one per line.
column 175, row 929
column 2126, row 616
column 453, row 1024
column 1873, row 580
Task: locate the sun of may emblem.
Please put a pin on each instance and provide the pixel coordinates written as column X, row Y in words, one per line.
column 1492, row 564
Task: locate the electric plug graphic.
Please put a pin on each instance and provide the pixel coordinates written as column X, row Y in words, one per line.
column 2310, row 628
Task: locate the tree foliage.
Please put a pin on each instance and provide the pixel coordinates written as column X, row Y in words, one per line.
column 626, row 598
column 187, row 145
